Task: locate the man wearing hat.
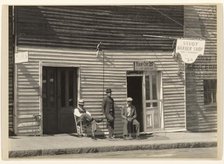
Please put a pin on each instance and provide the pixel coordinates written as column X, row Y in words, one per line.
column 129, row 115
column 85, row 116
column 108, row 110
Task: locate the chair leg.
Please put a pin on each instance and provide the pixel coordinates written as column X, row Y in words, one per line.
column 81, row 131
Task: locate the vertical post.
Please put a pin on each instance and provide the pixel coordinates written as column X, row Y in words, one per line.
column 103, row 73
column 144, row 103
column 41, row 97
column 104, row 125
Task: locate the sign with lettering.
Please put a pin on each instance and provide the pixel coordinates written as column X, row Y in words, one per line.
column 144, row 65
column 21, row 57
column 189, row 49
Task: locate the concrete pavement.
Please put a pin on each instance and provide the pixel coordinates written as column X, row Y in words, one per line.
column 22, row 146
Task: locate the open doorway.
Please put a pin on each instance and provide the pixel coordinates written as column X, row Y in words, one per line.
column 134, row 90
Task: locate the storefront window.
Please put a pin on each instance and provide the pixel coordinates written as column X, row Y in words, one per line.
column 151, row 89
column 210, row 92
column 154, row 87
column 147, row 85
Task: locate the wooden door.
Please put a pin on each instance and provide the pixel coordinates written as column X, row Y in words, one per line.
column 59, row 99
column 152, row 101
column 49, row 99
column 67, row 98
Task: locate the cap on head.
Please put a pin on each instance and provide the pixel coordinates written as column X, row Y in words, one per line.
column 81, row 102
column 108, row 90
column 129, row 99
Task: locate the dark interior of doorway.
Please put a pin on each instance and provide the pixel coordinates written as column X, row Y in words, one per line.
column 134, row 90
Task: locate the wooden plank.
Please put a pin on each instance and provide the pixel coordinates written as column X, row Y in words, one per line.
column 119, row 30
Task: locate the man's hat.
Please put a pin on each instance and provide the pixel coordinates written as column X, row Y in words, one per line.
column 81, row 102
column 129, row 99
column 108, row 90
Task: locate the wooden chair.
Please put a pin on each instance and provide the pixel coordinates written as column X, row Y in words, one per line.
column 78, row 125
column 82, row 128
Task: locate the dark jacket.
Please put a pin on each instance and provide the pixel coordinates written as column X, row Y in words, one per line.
column 108, row 108
column 133, row 113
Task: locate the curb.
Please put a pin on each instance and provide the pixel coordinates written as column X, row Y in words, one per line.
column 29, row 153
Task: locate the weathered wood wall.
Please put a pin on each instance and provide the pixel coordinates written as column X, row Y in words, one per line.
column 118, row 28
column 92, row 83
column 69, row 35
column 201, row 22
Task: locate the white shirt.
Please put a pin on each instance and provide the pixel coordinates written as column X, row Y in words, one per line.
column 128, row 111
column 78, row 114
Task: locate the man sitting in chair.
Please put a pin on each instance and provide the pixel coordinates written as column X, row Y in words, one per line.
column 129, row 115
column 84, row 116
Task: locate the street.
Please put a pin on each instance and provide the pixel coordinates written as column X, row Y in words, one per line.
column 165, row 153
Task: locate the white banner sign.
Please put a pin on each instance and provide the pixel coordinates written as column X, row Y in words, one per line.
column 189, row 49
column 21, row 57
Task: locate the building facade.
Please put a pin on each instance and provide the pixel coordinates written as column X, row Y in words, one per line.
column 134, row 58
column 201, row 76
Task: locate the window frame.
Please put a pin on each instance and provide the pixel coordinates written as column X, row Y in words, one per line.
column 210, row 89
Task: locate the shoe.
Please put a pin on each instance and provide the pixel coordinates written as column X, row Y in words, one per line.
column 111, row 138
column 98, row 120
column 129, row 138
column 137, row 138
column 94, row 138
column 125, row 138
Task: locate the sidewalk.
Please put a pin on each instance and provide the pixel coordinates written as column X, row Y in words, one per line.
column 22, row 146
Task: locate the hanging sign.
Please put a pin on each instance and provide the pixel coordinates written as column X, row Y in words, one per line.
column 189, row 49
column 144, row 65
column 21, row 57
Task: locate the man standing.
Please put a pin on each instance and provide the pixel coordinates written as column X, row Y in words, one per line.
column 108, row 109
column 129, row 115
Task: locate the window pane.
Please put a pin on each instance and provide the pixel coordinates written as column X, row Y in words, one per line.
column 52, row 84
column 210, row 91
column 44, row 86
column 148, row 104
column 147, row 88
column 155, row 104
column 154, row 87
column 63, row 88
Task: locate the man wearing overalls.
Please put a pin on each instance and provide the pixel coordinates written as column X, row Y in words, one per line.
column 129, row 116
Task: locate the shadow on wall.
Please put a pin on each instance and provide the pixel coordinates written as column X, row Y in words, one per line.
column 34, row 27
column 195, row 113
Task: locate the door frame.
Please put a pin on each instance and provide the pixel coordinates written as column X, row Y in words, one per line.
column 143, row 74
column 47, row 64
column 143, row 107
column 159, row 73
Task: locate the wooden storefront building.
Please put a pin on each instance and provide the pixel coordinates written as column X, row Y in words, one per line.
column 64, row 65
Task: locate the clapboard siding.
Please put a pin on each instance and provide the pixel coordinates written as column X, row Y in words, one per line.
column 202, row 20
column 92, row 85
column 69, row 35
column 28, row 101
column 83, row 27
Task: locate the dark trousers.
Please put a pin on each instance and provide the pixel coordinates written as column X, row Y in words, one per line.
column 128, row 127
column 88, row 119
column 110, row 124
